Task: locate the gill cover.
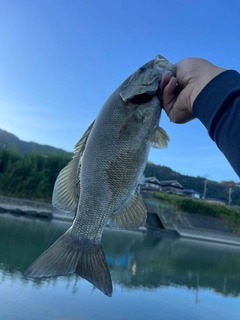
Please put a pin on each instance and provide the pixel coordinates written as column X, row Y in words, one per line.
column 146, row 79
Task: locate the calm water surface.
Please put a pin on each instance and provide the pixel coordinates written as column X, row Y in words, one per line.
column 153, row 278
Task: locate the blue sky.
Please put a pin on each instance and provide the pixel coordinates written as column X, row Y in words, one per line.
column 61, row 59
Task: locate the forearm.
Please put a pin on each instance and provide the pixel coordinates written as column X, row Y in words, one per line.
column 218, row 108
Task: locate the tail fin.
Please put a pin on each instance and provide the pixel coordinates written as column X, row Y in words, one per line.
column 68, row 255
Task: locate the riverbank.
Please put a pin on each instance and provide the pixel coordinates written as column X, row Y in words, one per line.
column 163, row 214
column 161, row 220
column 228, row 215
column 26, row 207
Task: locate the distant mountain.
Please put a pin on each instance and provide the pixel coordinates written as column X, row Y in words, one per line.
column 8, row 139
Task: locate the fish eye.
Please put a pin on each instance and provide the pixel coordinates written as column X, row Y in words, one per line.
column 142, row 69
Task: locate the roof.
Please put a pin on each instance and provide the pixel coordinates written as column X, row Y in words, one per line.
column 153, row 180
column 171, row 183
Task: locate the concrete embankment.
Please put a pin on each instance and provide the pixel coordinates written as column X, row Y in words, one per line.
column 26, row 207
column 208, row 235
column 160, row 221
column 189, row 225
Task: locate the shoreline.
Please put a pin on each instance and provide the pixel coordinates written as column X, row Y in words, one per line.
column 170, row 226
column 26, row 207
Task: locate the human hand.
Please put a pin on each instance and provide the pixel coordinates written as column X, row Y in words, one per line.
column 178, row 93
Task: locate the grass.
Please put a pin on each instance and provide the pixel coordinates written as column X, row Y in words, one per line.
column 229, row 216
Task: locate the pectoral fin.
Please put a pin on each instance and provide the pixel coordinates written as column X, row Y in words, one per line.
column 67, row 186
column 132, row 216
column 135, row 117
column 160, row 138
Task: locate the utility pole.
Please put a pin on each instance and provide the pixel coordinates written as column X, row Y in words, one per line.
column 230, row 191
column 205, row 187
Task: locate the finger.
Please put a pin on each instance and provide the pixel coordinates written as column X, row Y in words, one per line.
column 170, row 88
column 168, row 95
column 164, row 81
column 179, row 113
column 180, row 116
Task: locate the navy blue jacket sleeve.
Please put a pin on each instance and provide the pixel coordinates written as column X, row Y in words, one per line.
column 218, row 107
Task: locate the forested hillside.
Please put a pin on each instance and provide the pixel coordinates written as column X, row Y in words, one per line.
column 29, row 175
column 29, row 170
column 214, row 189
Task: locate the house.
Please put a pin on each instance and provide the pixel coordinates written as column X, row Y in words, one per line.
column 169, row 186
column 172, row 186
column 191, row 193
column 152, row 184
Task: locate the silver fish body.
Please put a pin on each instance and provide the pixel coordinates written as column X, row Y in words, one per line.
column 100, row 183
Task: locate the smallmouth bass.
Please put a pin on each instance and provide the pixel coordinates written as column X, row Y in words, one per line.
column 100, row 182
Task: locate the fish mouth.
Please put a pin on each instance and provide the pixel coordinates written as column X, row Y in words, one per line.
column 141, row 98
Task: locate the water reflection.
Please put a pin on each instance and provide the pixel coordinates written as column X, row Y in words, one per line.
column 152, row 262
column 135, row 260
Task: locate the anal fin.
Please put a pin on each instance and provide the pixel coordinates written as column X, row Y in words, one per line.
column 132, row 216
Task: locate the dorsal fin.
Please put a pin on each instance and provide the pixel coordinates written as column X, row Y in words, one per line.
column 67, row 186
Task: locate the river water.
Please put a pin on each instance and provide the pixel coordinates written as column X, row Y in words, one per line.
column 153, row 277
